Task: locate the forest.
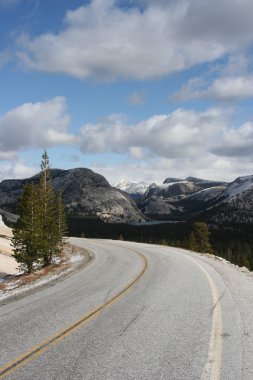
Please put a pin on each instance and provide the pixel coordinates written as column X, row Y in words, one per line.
column 232, row 241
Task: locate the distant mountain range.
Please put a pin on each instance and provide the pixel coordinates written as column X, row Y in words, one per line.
column 88, row 194
column 135, row 189
column 183, row 199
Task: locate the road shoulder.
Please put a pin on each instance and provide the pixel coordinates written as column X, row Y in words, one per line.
column 240, row 283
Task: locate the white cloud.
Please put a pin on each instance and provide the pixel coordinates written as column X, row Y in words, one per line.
column 179, row 144
column 230, row 88
column 236, row 142
column 182, row 143
column 102, row 41
column 179, row 134
column 17, row 169
column 42, row 124
column 229, row 81
column 156, row 169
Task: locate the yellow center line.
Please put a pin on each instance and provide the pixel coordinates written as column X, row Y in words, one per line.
column 38, row 350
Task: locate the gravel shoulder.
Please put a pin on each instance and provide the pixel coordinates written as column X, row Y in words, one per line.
column 240, row 283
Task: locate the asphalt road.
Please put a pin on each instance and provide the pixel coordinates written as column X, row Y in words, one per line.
column 136, row 312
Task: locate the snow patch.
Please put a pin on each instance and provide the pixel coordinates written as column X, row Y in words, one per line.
column 240, row 185
column 76, row 258
column 132, row 187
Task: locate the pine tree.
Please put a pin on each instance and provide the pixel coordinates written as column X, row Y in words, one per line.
column 39, row 233
column 47, row 215
column 192, row 242
column 27, row 233
column 61, row 222
column 200, row 238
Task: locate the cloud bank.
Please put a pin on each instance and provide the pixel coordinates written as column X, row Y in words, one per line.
column 105, row 42
column 183, row 141
column 182, row 133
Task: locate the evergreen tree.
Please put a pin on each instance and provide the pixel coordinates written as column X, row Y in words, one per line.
column 27, row 232
column 47, row 215
column 199, row 238
column 61, row 222
column 39, row 233
column 192, row 243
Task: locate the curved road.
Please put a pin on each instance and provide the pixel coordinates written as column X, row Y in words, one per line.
column 137, row 311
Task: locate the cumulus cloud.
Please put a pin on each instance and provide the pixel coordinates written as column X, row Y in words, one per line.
column 229, row 81
column 42, row 124
column 179, row 134
column 236, row 142
column 157, row 169
column 17, row 169
column 230, row 88
column 181, row 143
column 185, row 142
column 103, row 41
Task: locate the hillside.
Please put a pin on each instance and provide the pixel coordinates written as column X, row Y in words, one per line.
column 85, row 194
column 179, row 199
column 235, row 204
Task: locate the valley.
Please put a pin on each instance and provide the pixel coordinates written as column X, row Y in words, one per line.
column 96, row 209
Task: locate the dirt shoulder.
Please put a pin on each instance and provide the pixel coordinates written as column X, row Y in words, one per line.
column 72, row 260
column 240, row 283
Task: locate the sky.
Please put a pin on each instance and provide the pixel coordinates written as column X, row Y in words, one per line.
column 136, row 90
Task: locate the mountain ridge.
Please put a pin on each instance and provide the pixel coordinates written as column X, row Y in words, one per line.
column 89, row 194
column 85, row 193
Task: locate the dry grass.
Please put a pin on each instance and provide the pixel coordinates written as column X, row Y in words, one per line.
column 53, row 269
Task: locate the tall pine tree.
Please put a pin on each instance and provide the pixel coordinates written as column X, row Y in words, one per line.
column 39, row 233
column 47, row 215
column 27, row 234
column 61, row 222
column 53, row 219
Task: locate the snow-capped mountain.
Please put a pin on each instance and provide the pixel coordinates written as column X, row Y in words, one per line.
column 238, row 186
column 177, row 197
column 235, row 204
column 86, row 193
column 132, row 188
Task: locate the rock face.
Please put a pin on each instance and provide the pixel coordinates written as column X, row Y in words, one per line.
column 235, row 204
column 84, row 192
column 212, row 201
column 177, row 198
column 87, row 194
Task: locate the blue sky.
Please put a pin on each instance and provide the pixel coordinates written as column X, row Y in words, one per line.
column 135, row 90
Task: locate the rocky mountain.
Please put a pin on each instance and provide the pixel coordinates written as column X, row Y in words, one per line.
column 234, row 204
column 84, row 192
column 134, row 189
column 88, row 194
column 177, row 198
column 237, row 187
column 213, row 201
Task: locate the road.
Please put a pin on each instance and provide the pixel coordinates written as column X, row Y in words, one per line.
column 136, row 312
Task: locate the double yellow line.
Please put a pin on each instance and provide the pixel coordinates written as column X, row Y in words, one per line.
column 36, row 351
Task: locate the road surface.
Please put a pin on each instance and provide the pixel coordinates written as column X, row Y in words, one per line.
column 136, row 312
